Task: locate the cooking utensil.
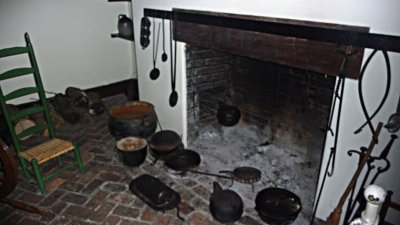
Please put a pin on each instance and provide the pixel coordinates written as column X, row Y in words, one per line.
column 393, row 124
column 132, row 150
column 245, row 174
column 277, row 206
column 185, row 160
column 155, row 193
column 173, row 98
column 228, row 115
column 163, row 143
column 144, row 32
column 334, row 217
column 164, row 56
column 226, row 206
column 155, row 72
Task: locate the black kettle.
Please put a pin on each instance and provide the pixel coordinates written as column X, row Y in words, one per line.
column 125, row 25
column 226, row 206
column 228, row 115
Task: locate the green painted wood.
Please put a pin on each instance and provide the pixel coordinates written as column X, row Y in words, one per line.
column 21, row 92
column 27, row 112
column 13, row 51
column 16, row 73
column 32, row 130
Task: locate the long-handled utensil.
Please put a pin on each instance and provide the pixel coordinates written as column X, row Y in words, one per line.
column 393, row 124
column 155, row 72
column 334, row 217
column 173, row 98
column 164, row 56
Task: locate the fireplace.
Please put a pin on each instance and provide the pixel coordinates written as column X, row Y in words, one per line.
column 284, row 89
column 291, row 106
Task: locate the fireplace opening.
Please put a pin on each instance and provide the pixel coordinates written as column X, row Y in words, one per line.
column 284, row 114
column 291, row 106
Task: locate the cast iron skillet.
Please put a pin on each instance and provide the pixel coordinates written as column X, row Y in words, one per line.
column 185, row 160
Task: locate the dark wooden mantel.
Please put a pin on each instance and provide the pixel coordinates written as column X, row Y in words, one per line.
column 301, row 44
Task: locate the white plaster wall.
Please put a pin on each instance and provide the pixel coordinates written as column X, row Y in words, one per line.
column 71, row 39
column 380, row 16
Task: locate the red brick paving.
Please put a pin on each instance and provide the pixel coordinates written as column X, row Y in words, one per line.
column 101, row 194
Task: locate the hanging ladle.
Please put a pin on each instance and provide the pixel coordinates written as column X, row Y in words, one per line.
column 173, row 98
column 164, row 56
column 393, row 124
column 155, row 72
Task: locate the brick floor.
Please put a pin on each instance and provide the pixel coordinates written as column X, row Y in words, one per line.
column 100, row 195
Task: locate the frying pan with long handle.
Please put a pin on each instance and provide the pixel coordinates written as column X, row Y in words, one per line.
column 185, row 160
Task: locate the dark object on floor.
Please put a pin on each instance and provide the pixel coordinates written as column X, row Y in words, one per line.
column 228, row 115
column 96, row 106
column 132, row 90
column 226, row 206
column 163, row 143
column 183, row 160
column 132, row 150
column 244, row 174
column 50, row 149
column 155, row 193
column 277, row 206
column 133, row 119
column 64, row 106
column 9, row 180
column 78, row 96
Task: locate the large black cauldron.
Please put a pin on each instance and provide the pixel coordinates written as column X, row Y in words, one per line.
column 133, row 119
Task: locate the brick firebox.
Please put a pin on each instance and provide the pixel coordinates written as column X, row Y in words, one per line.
column 291, row 105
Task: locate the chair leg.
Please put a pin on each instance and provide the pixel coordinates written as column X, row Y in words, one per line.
column 59, row 160
column 39, row 178
column 78, row 158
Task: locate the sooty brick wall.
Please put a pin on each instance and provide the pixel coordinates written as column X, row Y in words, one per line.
column 290, row 105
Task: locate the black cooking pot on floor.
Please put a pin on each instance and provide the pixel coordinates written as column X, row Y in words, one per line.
column 132, row 150
column 228, row 115
column 226, row 206
column 163, row 143
column 277, row 206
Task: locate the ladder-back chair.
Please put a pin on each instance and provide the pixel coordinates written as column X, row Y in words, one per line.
column 52, row 148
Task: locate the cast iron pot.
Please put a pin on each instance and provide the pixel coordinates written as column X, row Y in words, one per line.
column 163, row 143
column 277, row 206
column 132, row 150
column 133, row 119
column 226, row 206
column 228, row 115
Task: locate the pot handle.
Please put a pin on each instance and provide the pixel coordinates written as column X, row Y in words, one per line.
column 226, row 171
column 216, row 187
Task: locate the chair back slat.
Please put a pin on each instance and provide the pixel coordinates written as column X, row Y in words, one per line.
column 32, row 130
column 26, row 112
column 13, row 51
column 20, row 92
column 16, row 73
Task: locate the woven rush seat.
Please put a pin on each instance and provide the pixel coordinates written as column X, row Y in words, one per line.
column 47, row 150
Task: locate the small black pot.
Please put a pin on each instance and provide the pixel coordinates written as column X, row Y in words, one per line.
column 132, row 150
column 228, row 115
column 163, row 143
column 226, row 206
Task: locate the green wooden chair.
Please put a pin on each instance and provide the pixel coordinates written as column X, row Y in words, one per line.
column 54, row 147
